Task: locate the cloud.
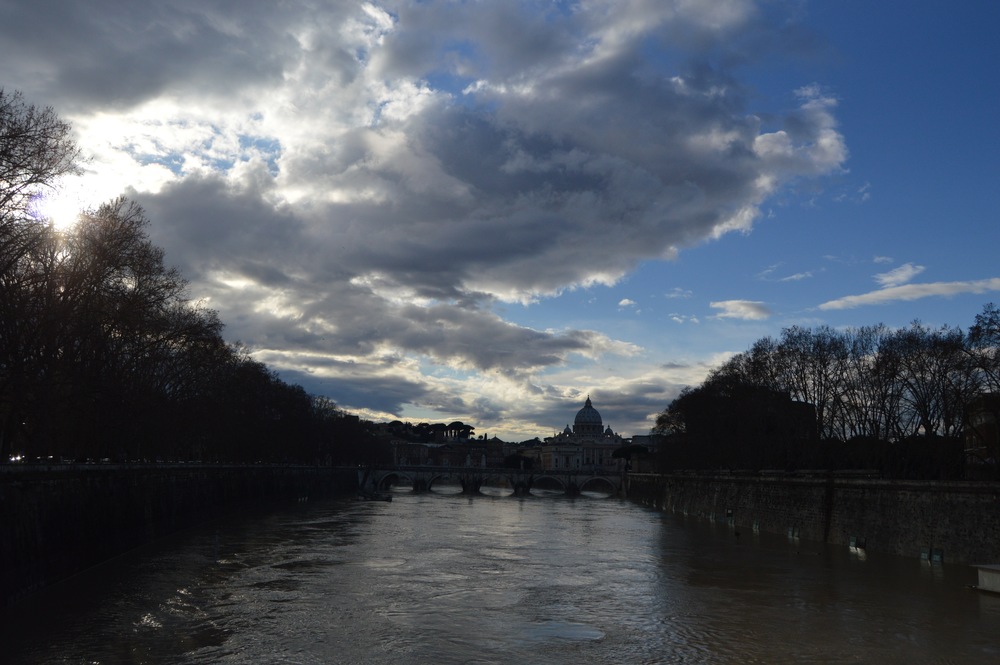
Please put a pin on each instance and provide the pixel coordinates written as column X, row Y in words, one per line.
column 899, row 276
column 748, row 310
column 913, row 292
column 882, row 259
column 678, row 292
column 626, row 302
column 552, row 137
column 767, row 275
column 360, row 185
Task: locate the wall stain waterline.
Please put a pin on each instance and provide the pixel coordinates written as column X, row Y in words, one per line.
column 959, row 520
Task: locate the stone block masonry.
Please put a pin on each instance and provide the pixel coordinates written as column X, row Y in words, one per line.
column 955, row 521
column 56, row 521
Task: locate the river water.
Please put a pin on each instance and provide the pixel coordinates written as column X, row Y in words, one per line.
column 445, row 578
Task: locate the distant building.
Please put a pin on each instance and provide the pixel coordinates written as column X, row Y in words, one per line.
column 480, row 452
column 982, row 429
column 588, row 445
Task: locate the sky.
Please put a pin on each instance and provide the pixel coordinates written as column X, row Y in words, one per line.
column 488, row 210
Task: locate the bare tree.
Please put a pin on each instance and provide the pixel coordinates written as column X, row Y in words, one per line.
column 35, row 151
column 937, row 379
column 815, row 364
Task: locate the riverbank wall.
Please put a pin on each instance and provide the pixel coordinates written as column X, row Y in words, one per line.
column 56, row 521
column 957, row 522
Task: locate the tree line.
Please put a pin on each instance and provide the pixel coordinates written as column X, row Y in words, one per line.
column 102, row 354
column 902, row 400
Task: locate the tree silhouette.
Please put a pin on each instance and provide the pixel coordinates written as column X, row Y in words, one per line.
column 102, row 355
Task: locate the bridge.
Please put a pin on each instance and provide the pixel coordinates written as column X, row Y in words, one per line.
column 471, row 478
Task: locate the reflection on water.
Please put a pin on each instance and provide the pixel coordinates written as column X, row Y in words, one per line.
column 445, row 578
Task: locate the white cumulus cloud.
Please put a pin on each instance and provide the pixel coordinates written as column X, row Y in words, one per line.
column 749, row 310
column 899, row 276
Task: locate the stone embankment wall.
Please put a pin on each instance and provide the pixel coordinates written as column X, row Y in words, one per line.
column 57, row 521
column 958, row 522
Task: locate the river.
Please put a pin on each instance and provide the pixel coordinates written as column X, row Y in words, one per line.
column 446, row 578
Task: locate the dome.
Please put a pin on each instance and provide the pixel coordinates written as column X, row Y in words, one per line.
column 588, row 415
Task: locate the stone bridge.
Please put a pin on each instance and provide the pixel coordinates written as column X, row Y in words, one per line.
column 471, row 479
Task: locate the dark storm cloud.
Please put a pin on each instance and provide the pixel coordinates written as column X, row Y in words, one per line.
column 384, row 394
column 205, row 223
column 113, row 53
column 219, row 236
column 471, row 40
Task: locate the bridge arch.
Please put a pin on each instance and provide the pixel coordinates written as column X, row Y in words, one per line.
column 599, row 484
column 547, row 479
column 438, row 478
column 387, row 480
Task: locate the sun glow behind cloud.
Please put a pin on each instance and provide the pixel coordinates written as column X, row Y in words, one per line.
column 62, row 210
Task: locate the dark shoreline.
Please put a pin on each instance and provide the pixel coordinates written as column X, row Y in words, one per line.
column 59, row 520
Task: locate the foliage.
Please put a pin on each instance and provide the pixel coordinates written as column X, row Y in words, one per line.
column 35, row 150
column 628, row 452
